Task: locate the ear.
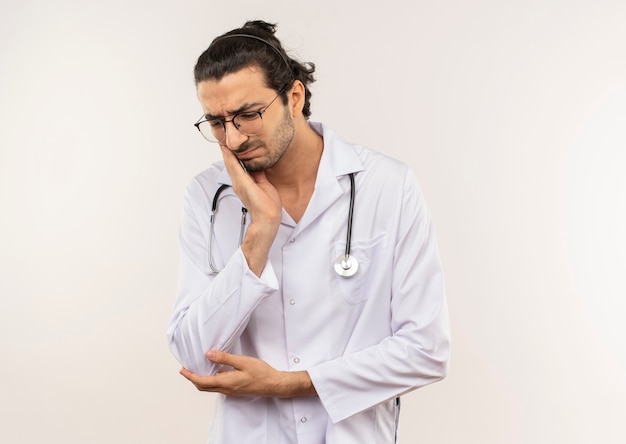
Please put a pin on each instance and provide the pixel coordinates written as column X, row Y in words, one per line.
column 296, row 96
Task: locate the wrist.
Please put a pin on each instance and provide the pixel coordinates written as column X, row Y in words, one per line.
column 298, row 384
column 257, row 243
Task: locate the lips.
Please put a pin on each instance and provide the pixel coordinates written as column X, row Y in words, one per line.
column 249, row 153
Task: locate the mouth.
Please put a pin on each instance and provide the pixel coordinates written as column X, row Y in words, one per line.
column 248, row 153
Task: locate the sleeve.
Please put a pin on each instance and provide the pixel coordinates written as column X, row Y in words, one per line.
column 211, row 311
column 417, row 351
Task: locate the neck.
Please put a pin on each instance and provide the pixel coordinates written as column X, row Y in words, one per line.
column 295, row 175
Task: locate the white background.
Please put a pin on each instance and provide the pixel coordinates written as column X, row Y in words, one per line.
column 512, row 113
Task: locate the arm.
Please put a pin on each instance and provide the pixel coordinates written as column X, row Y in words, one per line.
column 212, row 311
column 264, row 205
column 417, row 350
column 250, row 376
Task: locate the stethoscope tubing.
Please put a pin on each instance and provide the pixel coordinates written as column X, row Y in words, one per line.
column 214, row 204
column 350, row 216
column 345, row 265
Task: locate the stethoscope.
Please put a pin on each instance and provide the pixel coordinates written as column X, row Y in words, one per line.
column 345, row 265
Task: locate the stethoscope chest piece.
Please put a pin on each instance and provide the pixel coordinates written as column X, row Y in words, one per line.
column 346, row 265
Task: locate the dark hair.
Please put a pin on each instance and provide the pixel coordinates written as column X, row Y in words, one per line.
column 254, row 44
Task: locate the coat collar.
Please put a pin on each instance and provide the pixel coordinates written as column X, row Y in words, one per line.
column 338, row 160
column 341, row 157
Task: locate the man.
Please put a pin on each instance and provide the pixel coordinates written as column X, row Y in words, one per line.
column 314, row 297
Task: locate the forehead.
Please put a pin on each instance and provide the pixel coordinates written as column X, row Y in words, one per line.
column 230, row 92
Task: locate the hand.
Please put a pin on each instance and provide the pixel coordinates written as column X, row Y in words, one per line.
column 250, row 377
column 254, row 190
column 263, row 202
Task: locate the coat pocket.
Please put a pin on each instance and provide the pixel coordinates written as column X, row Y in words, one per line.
column 369, row 254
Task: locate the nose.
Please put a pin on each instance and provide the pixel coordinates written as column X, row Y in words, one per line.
column 233, row 138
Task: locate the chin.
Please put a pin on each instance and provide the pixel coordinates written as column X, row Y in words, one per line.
column 254, row 167
column 259, row 164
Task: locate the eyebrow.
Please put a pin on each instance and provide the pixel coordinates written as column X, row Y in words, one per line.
column 242, row 108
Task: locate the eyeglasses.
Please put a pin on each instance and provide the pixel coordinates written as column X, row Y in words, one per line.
column 249, row 123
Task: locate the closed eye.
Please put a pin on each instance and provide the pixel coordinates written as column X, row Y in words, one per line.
column 248, row 116
column 216, row 123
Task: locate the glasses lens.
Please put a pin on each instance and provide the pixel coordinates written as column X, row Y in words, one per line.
column 211, row 132
column 249, row 124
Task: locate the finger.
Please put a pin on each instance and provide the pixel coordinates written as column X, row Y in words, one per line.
column 220, row 357
column 234, row 168
column 204, row 383
column 189, row 375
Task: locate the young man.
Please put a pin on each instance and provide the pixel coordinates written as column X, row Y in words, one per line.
column 313, row 297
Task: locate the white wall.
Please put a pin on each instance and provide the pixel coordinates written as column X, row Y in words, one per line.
column 512, row 113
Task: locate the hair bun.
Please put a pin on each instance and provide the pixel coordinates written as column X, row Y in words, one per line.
column 261, row 25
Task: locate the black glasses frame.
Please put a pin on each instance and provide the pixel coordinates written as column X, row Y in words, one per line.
column 233, row 120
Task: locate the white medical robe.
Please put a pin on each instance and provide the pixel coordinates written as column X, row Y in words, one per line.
column 364, row 340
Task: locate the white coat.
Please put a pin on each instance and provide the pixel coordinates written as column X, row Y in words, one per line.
column 364, row 340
